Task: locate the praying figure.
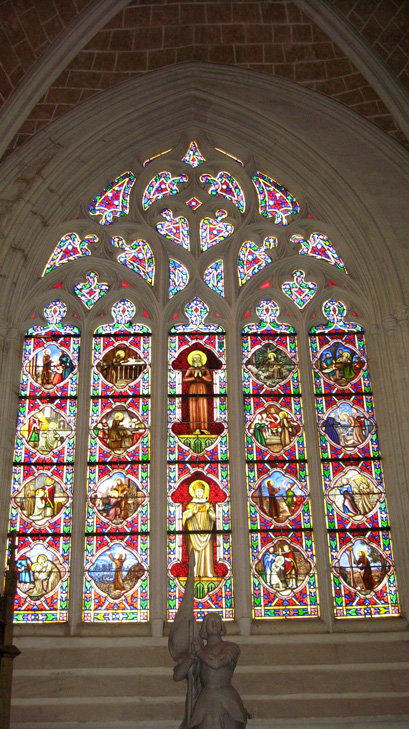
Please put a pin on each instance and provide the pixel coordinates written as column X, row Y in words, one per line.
column 198, row 376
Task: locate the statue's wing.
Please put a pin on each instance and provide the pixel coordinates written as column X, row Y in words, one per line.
column 184, row 629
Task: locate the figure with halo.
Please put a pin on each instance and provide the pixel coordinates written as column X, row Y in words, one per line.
column 198, row 518
column 198, row 377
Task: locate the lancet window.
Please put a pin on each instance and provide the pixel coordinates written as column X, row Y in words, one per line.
column 198, row 241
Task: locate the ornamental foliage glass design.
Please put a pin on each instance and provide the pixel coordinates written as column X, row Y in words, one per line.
column 213, row 231
column 193, row 156
column 225, row 185
column 91, row 290
column 299, row 290
column 214, row 277
column 198, row 468
column 178, row 277
column 284, row 583
column 253, row 258
column 113, row 202
column 69, row 248
column 319, row 246
column 117, row 525
column 42, row 486
column 274, row 200
column 175, row 229
column 363, row 575
column 162, row 185
column 138, row 256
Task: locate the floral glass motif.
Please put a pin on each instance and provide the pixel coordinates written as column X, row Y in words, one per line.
column 213, row 231
column 214, row 277
column 319, row 246
column 193, row 203
column 175, row 229
column 299, row 290
column 138, row 257
column 198, row 470
column 178, row 277
column 275, row 201
column 363, row 576
column 91, row 291
column 253, row 258
column 284, row 583
column 225, row 185
column 162, row 185
column 193, row 156
column 117, row 522
column 69, row 248
column 42, row 482
column 113, row 202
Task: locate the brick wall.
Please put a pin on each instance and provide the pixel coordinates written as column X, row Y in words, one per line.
column 270, row 36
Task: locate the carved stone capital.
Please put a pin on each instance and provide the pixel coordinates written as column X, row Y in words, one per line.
column 402, row 313
column 389, row 323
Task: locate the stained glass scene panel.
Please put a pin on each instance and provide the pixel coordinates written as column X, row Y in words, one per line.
column 198, row 475
column 363, row 575
column 117, row 525
column 284, row 582
column 42, row 485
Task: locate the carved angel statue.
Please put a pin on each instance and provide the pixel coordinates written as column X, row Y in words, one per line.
column 211, row 701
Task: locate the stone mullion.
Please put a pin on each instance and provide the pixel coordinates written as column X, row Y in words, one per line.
column 158, row 481
column 238, row 486
column 77, row 561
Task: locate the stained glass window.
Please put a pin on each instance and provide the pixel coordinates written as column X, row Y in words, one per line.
column 162, row 185
column 91, row 290
column 175, row 229
column 299, row 290
column 213, row 231
column 113, row 202
column 226, row 185
column 253, row 258
column 138, row 256
column 69, row 248
column 193, row 156
column 198, row 469
column 274, row 200
column 178, row 277
column 362, row 569
column 214, row 277
column 284, row 583
column 319, row 246
column 42, row 486
column 117, row 526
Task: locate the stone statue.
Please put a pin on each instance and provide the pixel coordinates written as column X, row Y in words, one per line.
column 211, row 701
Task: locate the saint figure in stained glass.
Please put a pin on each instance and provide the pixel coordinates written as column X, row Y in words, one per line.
column 198, row 519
